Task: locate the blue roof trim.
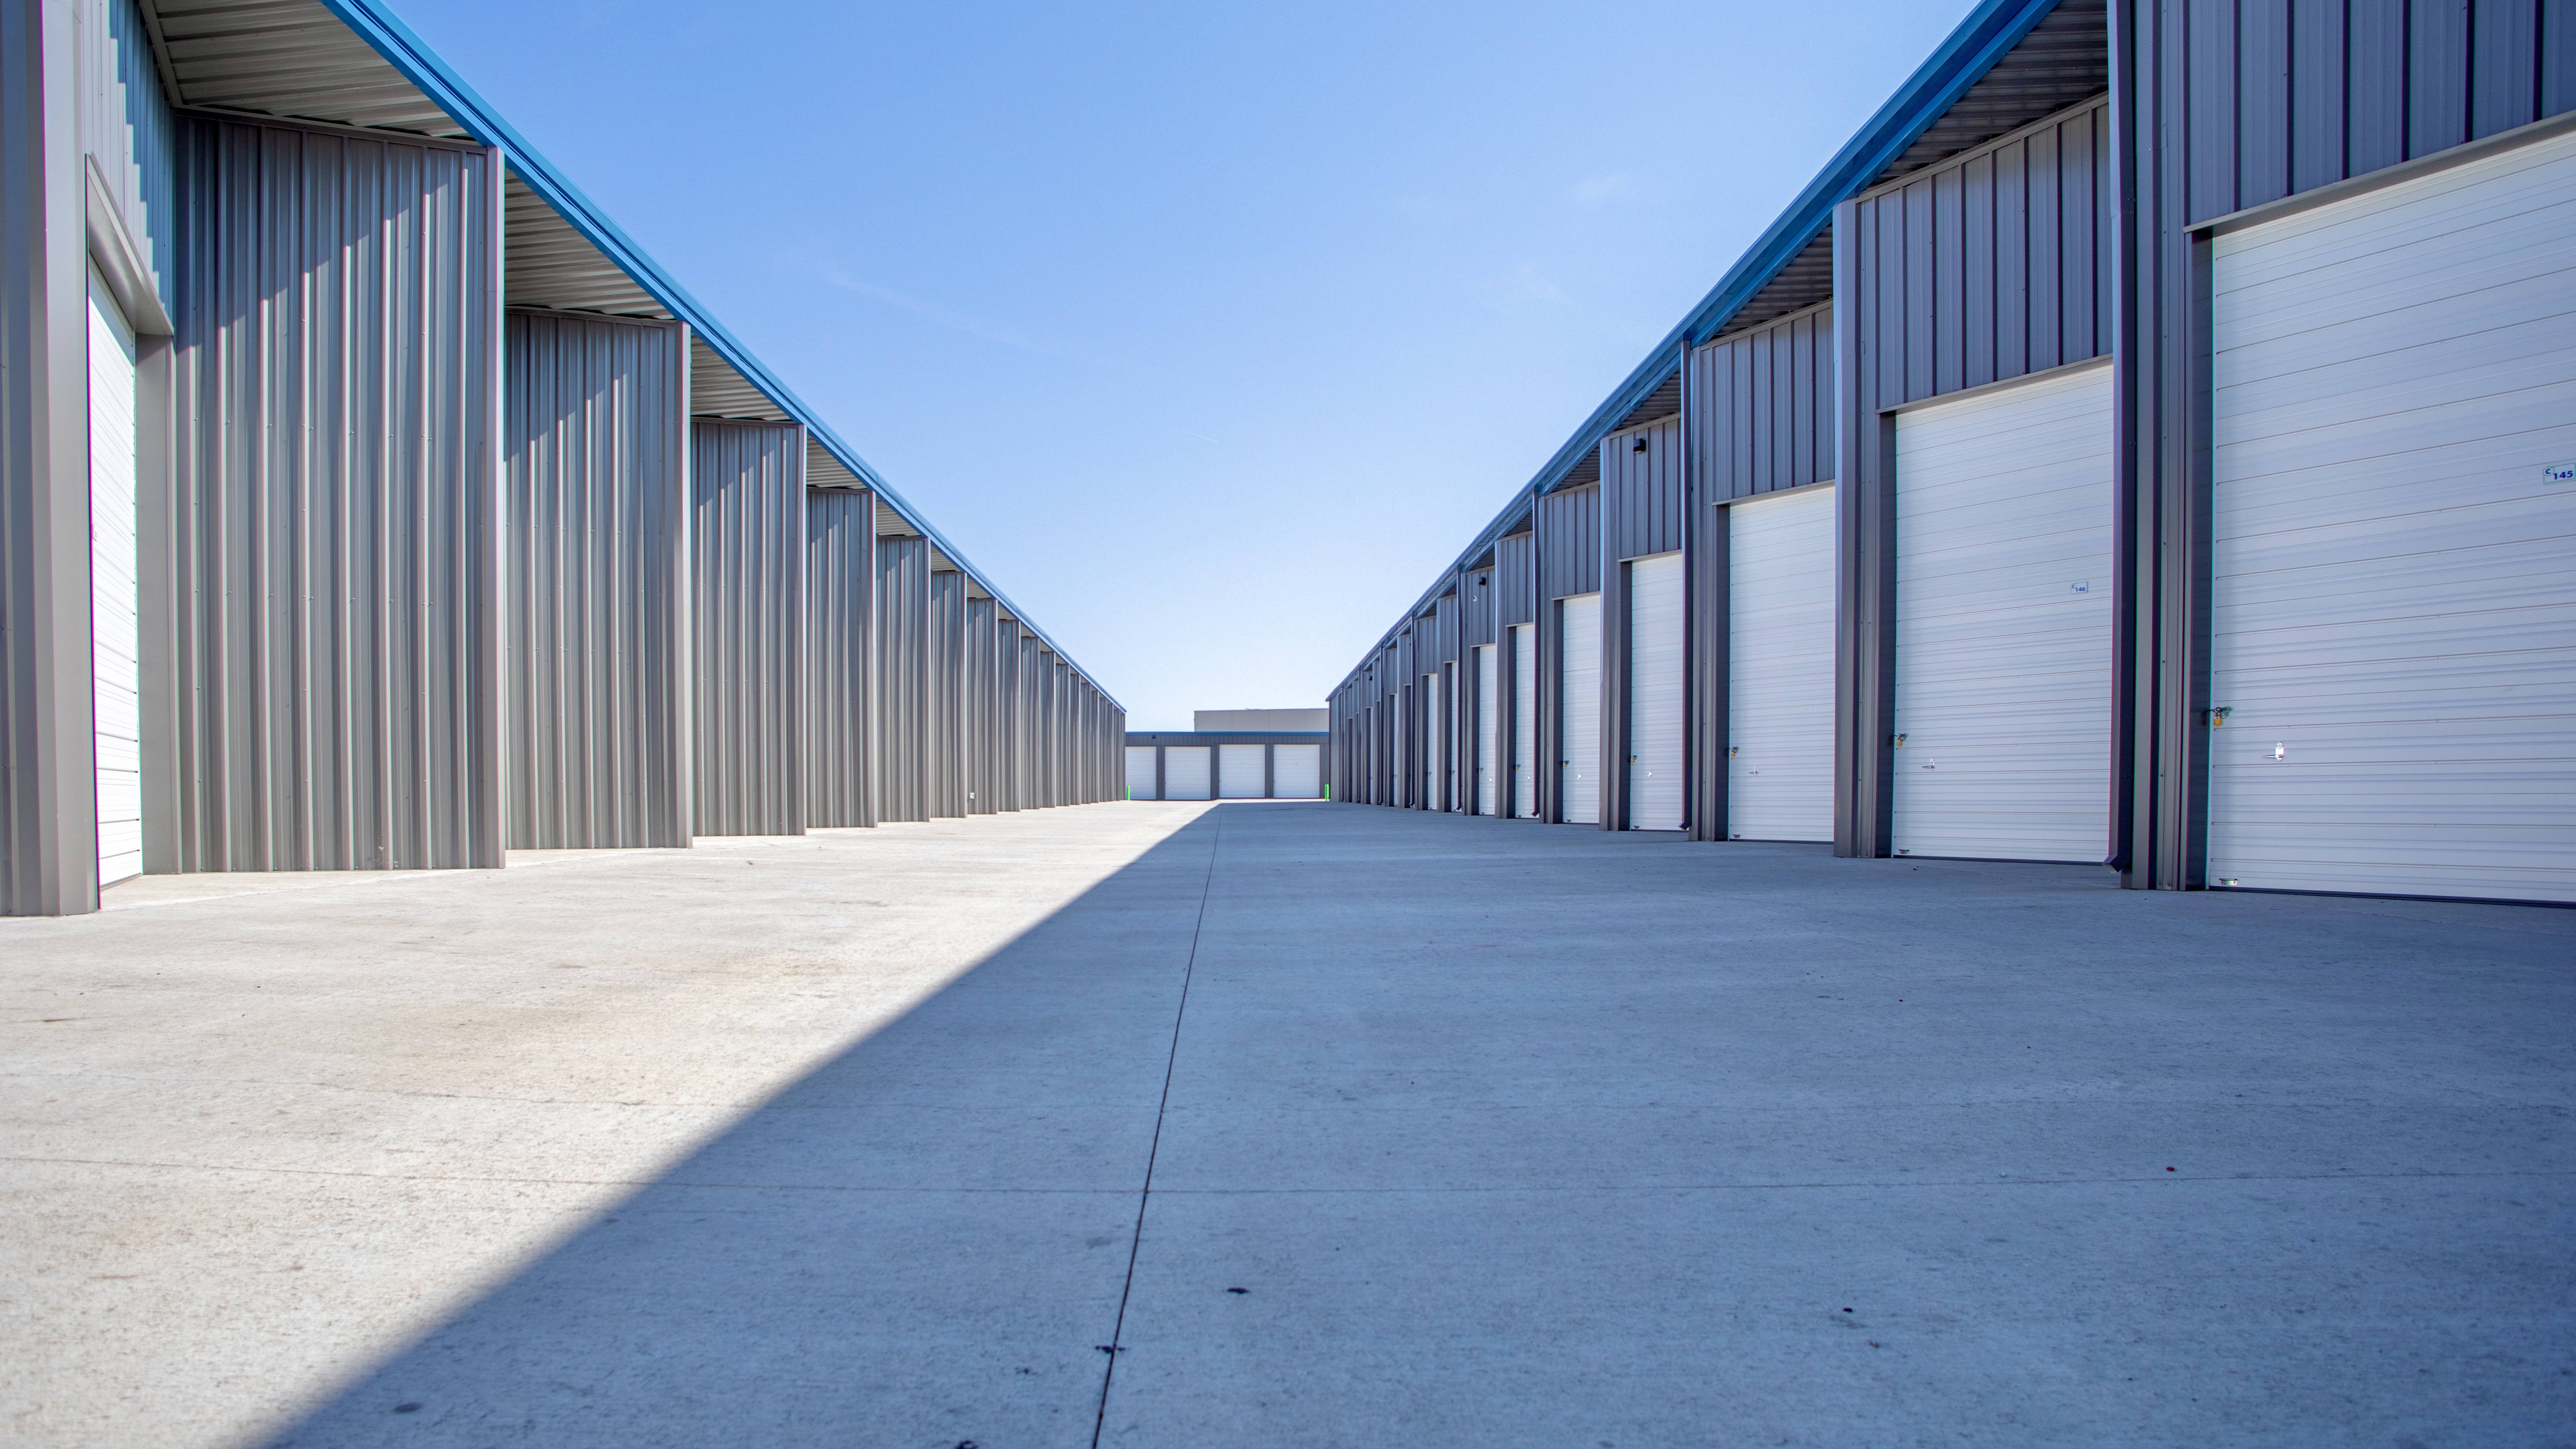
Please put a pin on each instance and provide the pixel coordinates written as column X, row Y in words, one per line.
column 411, row 55
column 1971, row 50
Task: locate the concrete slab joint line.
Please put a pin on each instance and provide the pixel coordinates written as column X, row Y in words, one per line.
column 1145, row 1193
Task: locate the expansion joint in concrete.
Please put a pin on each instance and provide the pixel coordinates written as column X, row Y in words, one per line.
column 1109, row 1351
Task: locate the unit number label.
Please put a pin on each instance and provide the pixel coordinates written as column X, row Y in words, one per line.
column 2558, row 473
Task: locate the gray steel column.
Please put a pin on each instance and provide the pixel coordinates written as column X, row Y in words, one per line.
column 2162, row 466
column 48, row 781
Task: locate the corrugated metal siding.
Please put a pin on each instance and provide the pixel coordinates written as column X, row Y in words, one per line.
column 1641, row 492
column 748, row 539
column 949, row 725
column 1762, row 407
column 1569, row 543
column 1063, row 723
column 1027, row 731
column 332, row 530
column 840, row 656
column 1444, row 633
column 1515, row 579
column 903, row 678
column 1008, row 714
column 126, row 127
column 1991, row 266
column 1476, row 607
column 595, row 569
column 2288, row 97
column 983, row 707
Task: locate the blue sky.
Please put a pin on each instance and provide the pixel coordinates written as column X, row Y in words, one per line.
column 1210, row 333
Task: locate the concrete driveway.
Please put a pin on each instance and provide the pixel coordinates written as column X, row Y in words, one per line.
column 1294, row 1124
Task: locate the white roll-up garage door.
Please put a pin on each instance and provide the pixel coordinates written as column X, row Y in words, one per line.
column 1488, row 727
column 1297, row 771
column 1525, row 721
column 2003, row 623
column 1578, row 696
column 1140, row 772
column 1185, row 772
column 2394, row 563
column 1655, row 673
column 1239, row 770
column 1435, row 742
column 115, row 615
column 1780, row 661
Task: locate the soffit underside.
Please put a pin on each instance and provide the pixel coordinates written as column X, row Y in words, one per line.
column 287, row 58
column 2064, row 59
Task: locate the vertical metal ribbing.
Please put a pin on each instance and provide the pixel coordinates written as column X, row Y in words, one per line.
column 983, row 706
column 903, row 678
column 334, row 517
column 748, row 532
column 594, row 583
column 841, row 666
column 1007, row 712
column 949, row 728
column 48, row 828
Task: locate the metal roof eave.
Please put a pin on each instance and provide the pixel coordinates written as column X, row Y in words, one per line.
column 420, row 65
column 1971, row 50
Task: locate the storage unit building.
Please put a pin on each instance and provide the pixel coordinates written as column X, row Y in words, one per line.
column 2268, row 589
column 1226, row 764
column 577, row 572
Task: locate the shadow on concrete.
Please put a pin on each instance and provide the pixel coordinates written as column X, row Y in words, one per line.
column 920, row 1242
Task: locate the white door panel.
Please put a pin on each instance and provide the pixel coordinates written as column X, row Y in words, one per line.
column 1525, row 721
column 2003, row 623
column 1655, row 675
column 1297, row 772
column 1185, row 772
column 115, row 611
column 1140, row 772
column 2393, row 567
column 1780, row 654
column 1239, row 769
column 1578, row 699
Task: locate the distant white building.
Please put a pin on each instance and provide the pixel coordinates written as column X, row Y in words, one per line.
column 1232, row 754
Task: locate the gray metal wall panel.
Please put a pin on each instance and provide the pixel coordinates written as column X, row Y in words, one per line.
column 595, row 568
column 840, row 657
column 1515, row 579
column 2282, row 98
column 48, row 830
column 748, row 541
column 950, row 728
column 983, row 707
column 2022, row 226
column 127, row 129
column 1476, row 607
column 1761, row 405
column 1641, row 492
column 1060, row 732
column 1030, row 729
column 330, row 534
column 903, row 678
column 1569, row 543
column 1013, row 710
